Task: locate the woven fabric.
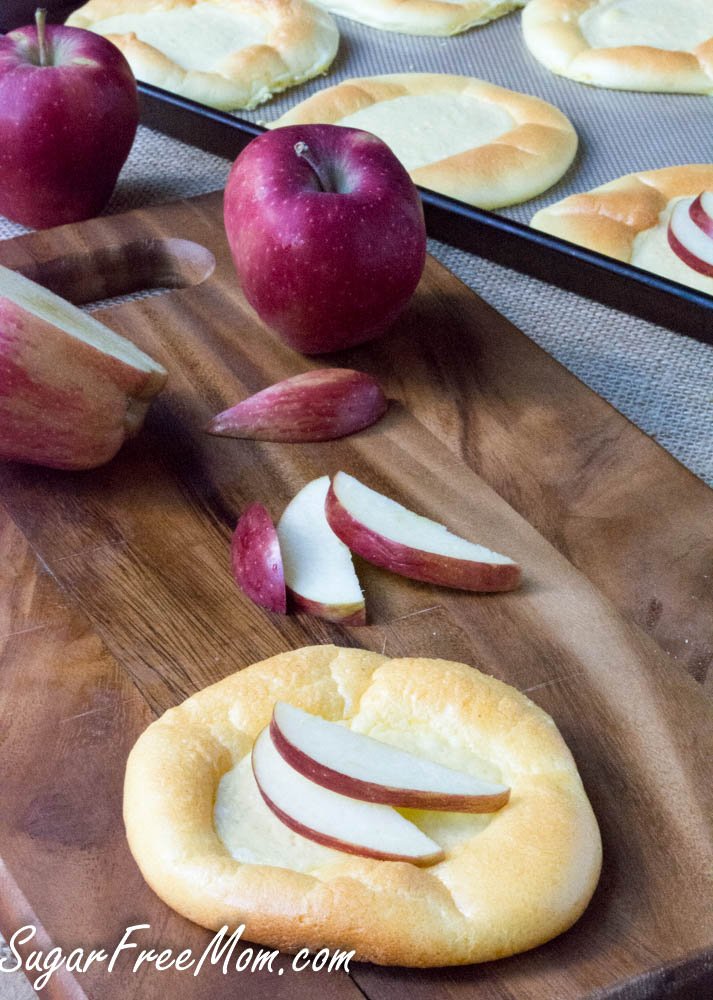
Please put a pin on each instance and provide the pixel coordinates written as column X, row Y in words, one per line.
column 661, row 380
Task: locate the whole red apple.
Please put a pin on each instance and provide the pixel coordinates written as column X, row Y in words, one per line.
column 327, row 234
column 66, row 127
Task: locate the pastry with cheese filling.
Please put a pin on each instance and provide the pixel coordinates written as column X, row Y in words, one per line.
column 208, row 844
column 422, row 17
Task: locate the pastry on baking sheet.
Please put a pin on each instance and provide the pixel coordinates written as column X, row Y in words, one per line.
column 210, row 847
column 463, row 137
column 225, row 53
column 657, row 45
column 628, row 218
column 422, row 17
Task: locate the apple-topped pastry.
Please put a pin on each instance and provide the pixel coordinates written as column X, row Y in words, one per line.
column 338, row 787
column 690, row 232
column 310, row 797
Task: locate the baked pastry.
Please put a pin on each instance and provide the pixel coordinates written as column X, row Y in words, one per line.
column 463, row 137
column 628, row 219
column 225, row 53
column 657, row 45
column 422, row 17
column 210, row 847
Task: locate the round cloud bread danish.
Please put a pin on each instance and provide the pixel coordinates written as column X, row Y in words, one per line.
column 628, row 219
column 225, row 53
column 463, row 137
column 651, row 45
column 422, row 17
column 209, row 846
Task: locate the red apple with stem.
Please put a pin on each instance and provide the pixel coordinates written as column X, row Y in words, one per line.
column 68, row 116
column 327, row 234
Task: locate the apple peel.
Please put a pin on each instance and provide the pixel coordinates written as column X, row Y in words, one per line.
column 317, row 405
column 690, row 233
column 256, row 560
column 395, row 538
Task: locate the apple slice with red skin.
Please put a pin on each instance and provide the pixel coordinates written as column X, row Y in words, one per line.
column 689, row 235
column 701, row 212
column 337, row 821
column 319, row 573
column 71, row 390
column 388, row 535
column 256, row 560
column 315, row 406
column 363, row 768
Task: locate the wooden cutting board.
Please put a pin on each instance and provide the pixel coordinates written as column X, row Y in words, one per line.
column 116, row 602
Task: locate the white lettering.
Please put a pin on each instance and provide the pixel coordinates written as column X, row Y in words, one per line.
column 29, row 932
column 125, row 944
column 54, row 960
column 296, row 959
column 217, row 949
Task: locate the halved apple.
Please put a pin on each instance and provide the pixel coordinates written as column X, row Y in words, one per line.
column 690, row 233
column 71, row 390
column 256, row 560
column 319, row 573
column 364, row 768
column 346, row 824
column 387, row 534
column 315, row 406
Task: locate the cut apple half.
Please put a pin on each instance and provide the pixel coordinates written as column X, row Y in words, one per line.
column 334, row 820
column 690, row 240
column 256, row 560
column 319, row 573
column 71, row 390
column 389, row 535
column 361, row 767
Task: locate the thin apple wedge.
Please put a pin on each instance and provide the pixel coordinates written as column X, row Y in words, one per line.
column 367, row 769
column 345, row 824
column 388, row 535
column 71, row 390
column 319, row 573
column 256, row 560
column 315, row 406
column 690, row 233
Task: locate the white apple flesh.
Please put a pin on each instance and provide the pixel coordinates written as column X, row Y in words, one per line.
column 319, row 573
column 389, row 535
column 256, row 560
column 334, row 820
column 690, row 236
column 360, row 767
column 701, row 212
column 66, row 126
column 71, row 390
column 319, row 405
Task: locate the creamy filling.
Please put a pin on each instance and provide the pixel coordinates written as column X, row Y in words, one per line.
column 652, row 252
column 195, row 38
column 254, row 835
column 662, row 24
column 422, row 129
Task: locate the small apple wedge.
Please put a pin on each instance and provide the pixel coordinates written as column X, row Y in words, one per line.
column 367, row 769
column 256, row 560
column 315, row 406
column 701, row 212
column 388, row 535
column 319, row 573
column 345, row 824
column 71, row 390
column 689, row 240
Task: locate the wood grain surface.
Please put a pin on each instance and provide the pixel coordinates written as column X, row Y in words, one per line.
column 116, row 602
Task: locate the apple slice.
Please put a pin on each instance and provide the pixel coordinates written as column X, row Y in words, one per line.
column 314, row 406
column 256, row 560
column 346, row 824
column 364, row 768
column 688, row 239
column 701, row 212
column 71, row 390
column 319, row 573
column 387, row 534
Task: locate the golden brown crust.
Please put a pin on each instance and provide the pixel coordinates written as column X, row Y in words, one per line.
column 525, row 877
column 610, row 217
column 423, row 17
column 552, row 33
column 519, row 164
column 301, row 42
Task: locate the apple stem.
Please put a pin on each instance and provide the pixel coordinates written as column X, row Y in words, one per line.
column 303, row 151
column 40, row 18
